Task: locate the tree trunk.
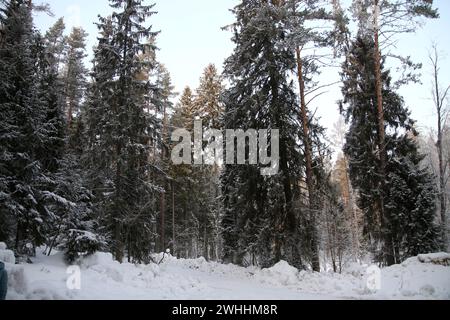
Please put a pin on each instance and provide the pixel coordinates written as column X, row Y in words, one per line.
column 52, row 244
column 309, row 166
column 162, row 221
column 163, row 195
column 351, row 208
column 440, row 114
column 442, row 197
column 117, row 219
column 118, row 245
column 388, row 255
column 174, row 242
column 205, row 243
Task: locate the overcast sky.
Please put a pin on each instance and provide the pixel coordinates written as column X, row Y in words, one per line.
column 191, row 37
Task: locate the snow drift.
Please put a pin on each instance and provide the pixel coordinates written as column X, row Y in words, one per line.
column 422, row 277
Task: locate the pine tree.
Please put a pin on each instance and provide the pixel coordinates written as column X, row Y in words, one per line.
column 161, row 101
column 301, row 15
column 400, row 189
column 382, row 20
column 208, row 96
column 74, row 73
column 197, row 187
column 53, row 126
column 22, row 175
column 185, row 111
column 119, row 130
column 209, row 107
column 259, row 222
column 183, row 203
column 66, row 199
column 55, row 42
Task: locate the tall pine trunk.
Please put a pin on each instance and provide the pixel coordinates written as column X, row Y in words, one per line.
column 174, row 242
column 162, row 221
column 162, row 200
column 442, row 197
column 309, row 166
column 388, row 254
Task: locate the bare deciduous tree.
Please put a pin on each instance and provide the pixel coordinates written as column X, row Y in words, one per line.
column 440, row 99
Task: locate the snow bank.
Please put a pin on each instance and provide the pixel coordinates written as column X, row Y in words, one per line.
column 104, row 264
column 6, row 256
column 17, row 281
column 423, row 277
column 414, row 279
column 280, row 274
column 440, row 258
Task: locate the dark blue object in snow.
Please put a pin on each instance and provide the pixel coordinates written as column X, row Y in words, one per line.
column 3, row 281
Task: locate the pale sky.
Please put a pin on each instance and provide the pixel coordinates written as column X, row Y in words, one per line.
column 191, row 38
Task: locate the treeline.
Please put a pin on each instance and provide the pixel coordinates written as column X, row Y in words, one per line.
column 382, row 199
column 85, row 154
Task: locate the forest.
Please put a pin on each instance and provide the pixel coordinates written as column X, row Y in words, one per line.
column 86, row 147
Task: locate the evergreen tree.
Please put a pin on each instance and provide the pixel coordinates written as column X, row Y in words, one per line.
column 302, row 14
column 22, row 175
column 74, row 73
column 406, row 183
column 119, row 131
column 199, row 183
column 208, row 97
column 53, row 126
column 259, row 222
column 70, row 225
column 209, row 108
column 185, row 111
column 161, row 101
column 382, row 20
column 197, row 225
column 183, row 204
column 55, row 43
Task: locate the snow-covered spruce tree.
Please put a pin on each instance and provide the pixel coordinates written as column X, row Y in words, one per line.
column 183, row 203
column 259, row 222
column 55, row 42
column 196, row 231
column 408, row 190
column 119, row 131
column 161, row 102
column 74, row 225
column 49, row 90
column 98, row 154
column 24, row 131
column 66, row 199
column 185, row 111
column 210, row 109
column 208, row 96
column 74, row 73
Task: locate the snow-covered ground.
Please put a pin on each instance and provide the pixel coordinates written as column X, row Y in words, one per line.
column 102, row 278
